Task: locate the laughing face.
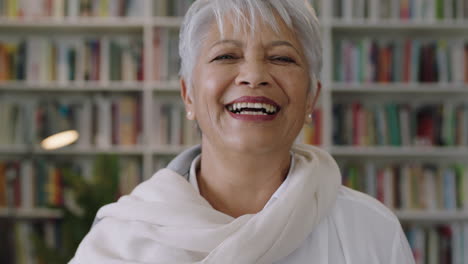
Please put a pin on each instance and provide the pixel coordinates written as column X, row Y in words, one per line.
column 250, row 92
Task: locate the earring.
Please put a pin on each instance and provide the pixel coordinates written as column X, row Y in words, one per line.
column 189, row 115
column 309, row 116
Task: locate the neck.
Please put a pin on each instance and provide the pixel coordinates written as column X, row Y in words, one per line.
column 240, row 183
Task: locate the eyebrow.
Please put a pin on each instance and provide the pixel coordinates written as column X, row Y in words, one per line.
column 283, row 43
column 228, row 41
column 240, row 44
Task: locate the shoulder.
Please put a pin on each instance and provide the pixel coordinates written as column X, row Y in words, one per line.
column 366, row 228
column 358, row 229
column 364, row 214
column 363, row 206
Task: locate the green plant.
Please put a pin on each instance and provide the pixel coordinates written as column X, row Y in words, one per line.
column 88, row 197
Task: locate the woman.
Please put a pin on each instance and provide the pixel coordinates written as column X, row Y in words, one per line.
column 247, row 195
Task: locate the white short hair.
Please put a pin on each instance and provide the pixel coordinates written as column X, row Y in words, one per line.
column 298, row 15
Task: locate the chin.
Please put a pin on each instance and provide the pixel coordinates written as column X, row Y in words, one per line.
column 257, row 144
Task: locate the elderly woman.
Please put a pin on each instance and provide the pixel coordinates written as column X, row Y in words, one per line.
column 247, row 194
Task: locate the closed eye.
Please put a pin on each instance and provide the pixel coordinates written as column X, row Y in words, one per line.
column 225, row 57
column 282, row 59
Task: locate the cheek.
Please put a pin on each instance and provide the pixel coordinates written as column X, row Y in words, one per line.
column 210, row 86
column 294, row 85
column 213, row 82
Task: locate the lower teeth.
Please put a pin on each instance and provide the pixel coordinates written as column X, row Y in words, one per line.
column 249, row 113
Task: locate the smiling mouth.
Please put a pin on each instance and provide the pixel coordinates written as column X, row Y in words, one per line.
column 247, row 108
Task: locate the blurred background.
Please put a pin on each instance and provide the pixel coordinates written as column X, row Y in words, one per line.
column 90, row 107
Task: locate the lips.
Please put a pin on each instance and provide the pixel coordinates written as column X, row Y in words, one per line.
column 251, row 108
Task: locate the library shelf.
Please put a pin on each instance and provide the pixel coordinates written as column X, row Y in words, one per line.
column 407, row 151
column 13, row 150
column 167, row 21
column 399, row 25
column 170, row 150
column 431, row 216
column 165, row 86
column 30, row 213
column 25, row 86
column 432, row 88
column 119, row 150
column 120, row 24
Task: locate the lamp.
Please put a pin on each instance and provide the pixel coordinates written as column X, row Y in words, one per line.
column 60, row 140
column 58, row 125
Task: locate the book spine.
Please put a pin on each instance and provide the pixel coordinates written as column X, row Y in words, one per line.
column 104, row 61
column 85, row 124
column 27, row 185
column 348, row 9
column 73, row 9
column 58, row 9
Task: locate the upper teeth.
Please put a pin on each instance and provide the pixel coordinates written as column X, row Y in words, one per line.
column 267, row 107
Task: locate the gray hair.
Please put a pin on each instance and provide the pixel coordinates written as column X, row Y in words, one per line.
column 298, row 15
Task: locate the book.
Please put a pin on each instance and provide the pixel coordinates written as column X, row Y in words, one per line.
column 417, row 10
column 413, row 186
column 400, row 124
column 166, row 61
column 63, row 9
column 31, row 119
column 17, row 243
column 171, row 125
column 401, row 60
column 64, row 60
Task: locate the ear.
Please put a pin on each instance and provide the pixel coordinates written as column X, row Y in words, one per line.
column 188, row 102
column 312, row 98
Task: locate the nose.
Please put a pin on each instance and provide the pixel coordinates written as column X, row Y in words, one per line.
column 253, row 73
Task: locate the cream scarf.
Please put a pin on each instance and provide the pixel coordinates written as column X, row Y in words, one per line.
column 165, row 220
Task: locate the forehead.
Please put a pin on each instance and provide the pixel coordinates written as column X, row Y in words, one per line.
column 246, row 29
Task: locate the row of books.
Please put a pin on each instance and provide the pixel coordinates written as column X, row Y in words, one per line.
column 18, row 239
column 417, row 10
column 59, row 9
column 311, row 133
column 446, row 244
column 401, row 60
column 410, row 186
column 166, row 54
column 40, row 183
column 68, row 59
column 100, row 121
column 400, row 124
column 28, row 185
column 171, row 124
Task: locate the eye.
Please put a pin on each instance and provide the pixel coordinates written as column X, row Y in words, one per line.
column 225, row 57
column 282, row 59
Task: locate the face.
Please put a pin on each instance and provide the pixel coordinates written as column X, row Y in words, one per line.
column 250, row 92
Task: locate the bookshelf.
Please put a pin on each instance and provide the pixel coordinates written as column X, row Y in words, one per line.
column 155, row 21
column 41, row 213
column 436, row 235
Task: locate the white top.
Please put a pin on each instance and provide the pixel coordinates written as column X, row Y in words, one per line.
column 359, row 230
column 311, row 218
